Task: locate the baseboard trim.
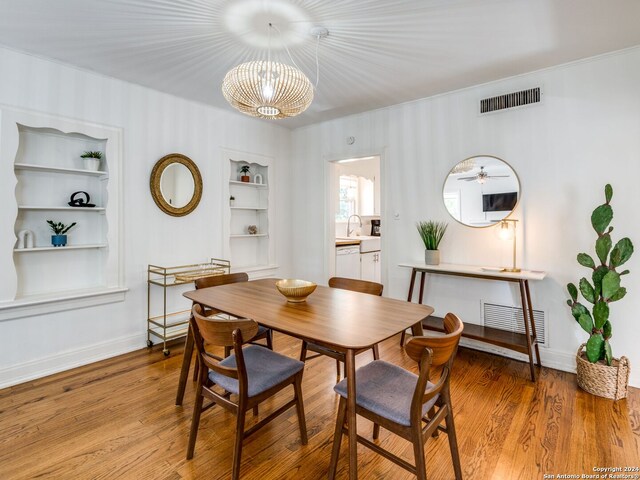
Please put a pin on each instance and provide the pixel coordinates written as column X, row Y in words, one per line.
column 43, row 367
column 550, row 358
column 60, row 362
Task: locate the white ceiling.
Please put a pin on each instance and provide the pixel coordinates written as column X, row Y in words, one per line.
column 378, row 52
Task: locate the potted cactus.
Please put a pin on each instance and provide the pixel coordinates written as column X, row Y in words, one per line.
column 598, row 371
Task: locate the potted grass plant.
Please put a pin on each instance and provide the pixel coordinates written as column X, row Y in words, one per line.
column 598, row 371
column 91, row 160
column 431, row 233
column 59, row 229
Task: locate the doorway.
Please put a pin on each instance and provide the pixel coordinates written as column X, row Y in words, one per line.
column 355, row 216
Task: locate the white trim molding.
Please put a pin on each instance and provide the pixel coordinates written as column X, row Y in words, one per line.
column 60, row 362
column 60, row 302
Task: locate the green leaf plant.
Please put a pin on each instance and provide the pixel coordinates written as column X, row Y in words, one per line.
column 59, row 228
column 604, row 287
column 90, row 154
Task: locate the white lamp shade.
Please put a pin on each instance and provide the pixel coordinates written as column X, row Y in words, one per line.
column 506, row 230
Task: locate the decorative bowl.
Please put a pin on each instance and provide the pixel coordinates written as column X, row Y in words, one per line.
column 296, row 291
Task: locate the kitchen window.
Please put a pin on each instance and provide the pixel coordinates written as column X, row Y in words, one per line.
column 356, row 197
column 348, row 197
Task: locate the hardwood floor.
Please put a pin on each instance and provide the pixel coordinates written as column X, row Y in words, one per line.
column 117, row 419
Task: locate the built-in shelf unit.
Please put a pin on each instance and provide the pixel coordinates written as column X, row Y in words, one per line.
column 42, row 153
column 252, row 205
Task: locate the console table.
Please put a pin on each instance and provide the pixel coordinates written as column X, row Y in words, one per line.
column 523, row 343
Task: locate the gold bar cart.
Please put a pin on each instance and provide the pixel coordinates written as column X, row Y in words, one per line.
column 171, row 325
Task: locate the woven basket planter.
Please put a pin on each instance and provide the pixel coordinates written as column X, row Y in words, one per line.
column 601, row 379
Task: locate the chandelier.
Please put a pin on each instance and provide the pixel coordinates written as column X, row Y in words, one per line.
column 267, row 89
column 464, row 166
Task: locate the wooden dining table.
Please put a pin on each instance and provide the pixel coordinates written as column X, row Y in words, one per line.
column 342, row 320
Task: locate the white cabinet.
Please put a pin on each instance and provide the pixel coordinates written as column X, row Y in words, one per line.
column 370, row 266
column 249, row 213
column 42, row 167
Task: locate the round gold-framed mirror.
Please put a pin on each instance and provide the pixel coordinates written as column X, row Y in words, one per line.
column 176, row 184
column 480, row 191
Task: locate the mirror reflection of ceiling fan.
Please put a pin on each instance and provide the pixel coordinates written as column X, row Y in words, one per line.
column 481, row 176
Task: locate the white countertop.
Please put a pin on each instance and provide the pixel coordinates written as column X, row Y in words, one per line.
column 485, row 271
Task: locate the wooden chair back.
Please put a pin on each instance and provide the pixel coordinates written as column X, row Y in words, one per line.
column 442, row 347
column 362, row 286
column 434, row 352
column 217, row 280
column 223, row 333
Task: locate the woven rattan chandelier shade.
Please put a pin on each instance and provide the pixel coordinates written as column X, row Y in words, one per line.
column 267, row 89
column 464, row 166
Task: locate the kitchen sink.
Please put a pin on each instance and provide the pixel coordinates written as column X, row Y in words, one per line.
column 368, row 243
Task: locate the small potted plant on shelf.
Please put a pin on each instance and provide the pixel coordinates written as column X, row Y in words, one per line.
column 232, row 200
column 431, row 233
column 91, row 160
column 59, row 238
column 598, row 372
column 244, row 177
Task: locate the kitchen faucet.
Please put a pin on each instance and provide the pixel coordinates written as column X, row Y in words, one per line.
column 349, row 231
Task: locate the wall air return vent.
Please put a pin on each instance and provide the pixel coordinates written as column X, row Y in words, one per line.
column 509, row 318
column 510, row 100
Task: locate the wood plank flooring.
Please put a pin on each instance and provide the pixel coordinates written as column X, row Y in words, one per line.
column 117, row 419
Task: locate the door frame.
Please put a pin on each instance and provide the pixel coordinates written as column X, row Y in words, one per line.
column 330, row 206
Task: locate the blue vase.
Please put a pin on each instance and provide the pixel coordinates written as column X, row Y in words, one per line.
column 58, row 240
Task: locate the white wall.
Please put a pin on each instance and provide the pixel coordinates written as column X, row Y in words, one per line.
column 585, row 133
column 154, row 125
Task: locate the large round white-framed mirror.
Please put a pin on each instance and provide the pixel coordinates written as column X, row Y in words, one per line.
column 480, row 191
column 176, row 184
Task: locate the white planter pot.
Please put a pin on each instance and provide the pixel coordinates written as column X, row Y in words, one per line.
column 432, row 257
column 92, row 164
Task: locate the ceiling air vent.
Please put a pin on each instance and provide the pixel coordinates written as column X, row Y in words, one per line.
column 509, row 318
column 510, row 100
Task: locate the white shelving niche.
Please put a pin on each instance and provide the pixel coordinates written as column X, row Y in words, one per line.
column 253, row 205
column 42, row 153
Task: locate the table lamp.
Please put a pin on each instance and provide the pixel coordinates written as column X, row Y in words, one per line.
column 507, row 231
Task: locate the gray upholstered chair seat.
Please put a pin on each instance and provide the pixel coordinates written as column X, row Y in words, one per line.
column 387, row 390
column 262, row 330
column 265, row 368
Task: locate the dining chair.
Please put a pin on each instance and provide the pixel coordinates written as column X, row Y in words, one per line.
column 362, row 286
column 402, row 402
column 215, row 281
column 251, row 372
